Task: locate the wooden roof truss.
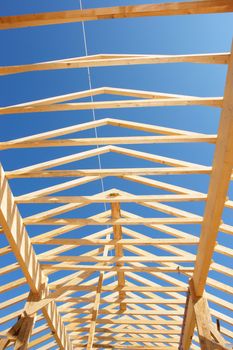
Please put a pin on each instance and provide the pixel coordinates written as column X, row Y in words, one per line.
column 106, row 299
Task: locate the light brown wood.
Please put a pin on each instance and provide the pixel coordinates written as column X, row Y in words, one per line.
column 163, row 9
column 219, row 183
column 109, row 172
column 111, row 199
column 112, row 242
column 16, row 233
column 34, row 107
column 108, row 141
column 63, row 266
column 117, row 60
column 96, row 304
column 209, row 337
column 106, row 221
column 117, row 287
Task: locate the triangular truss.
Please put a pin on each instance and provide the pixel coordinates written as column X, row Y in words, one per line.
column 121, row 278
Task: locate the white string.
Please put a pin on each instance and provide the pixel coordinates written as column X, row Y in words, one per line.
column 92, row 100
column 94, row 116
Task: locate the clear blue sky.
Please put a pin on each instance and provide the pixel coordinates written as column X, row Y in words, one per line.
column 160, row 35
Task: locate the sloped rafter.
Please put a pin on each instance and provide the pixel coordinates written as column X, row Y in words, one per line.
column 218, row 188
column 19, row 241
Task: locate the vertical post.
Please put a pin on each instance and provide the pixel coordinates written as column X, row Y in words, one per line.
column 117, row 231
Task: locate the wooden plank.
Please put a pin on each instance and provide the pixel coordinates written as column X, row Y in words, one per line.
column 28, row 321
column 121, row 60
column 109, row 172
column 57, row 188
column 125, row 259
column 107, row 221
column 186, row 101
column 204, row 322
column 66, row 159
column 111, row 300
column 106, row 121
column 125, row 321
column 117, row 235
column 21, row 245
column 112, row 242
column 132, row 339
column 21, row 331
column 24, row 334
column 4, row 342
column 39, row 340
column 148, row 269
column 106, row 149
column 125, row 347
column 218, row 188
column 130, row 330
column 98, row 91
column 99, row 198
column 108, row 141
column 74, row 287
column 96, row 304
column 163, row 9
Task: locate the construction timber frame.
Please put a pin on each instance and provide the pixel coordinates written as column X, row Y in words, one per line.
column 106, row 299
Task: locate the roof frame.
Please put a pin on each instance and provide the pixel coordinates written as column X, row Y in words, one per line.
column 136, row 303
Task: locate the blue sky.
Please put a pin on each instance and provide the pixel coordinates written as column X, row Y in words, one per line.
column 160, row 35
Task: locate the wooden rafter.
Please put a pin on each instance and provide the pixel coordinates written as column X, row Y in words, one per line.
column 218, row 188
column 19, row 241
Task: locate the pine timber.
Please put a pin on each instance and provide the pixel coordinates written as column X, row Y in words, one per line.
column 124, row 285
column 163, row 9
column 218, row 188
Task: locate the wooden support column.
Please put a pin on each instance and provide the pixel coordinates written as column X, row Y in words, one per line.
column 24, row 333
column 117, row 232
column 21, row 331
column 217, row 193
column 96, row 304
column 16, row 233
column 11, row 334
column 209, row 337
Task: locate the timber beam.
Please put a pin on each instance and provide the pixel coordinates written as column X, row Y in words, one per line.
column 163, row 9
column 217, row 193
column 209, row 336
